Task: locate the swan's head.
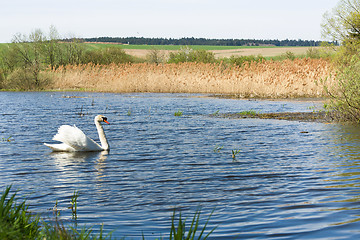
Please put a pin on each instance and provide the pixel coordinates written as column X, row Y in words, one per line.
column 101, row 118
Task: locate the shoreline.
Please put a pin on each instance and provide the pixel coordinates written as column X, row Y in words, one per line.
column 292, row 99
column 318, row 116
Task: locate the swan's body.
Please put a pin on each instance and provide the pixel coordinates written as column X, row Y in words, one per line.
column 74, row 140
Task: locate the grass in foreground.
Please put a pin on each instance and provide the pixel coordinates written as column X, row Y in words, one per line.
column 180, row 232
column 16, row 222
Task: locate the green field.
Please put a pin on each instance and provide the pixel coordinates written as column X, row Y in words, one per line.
column 2, row 46
column 94, row 46
column 171, row 47
column 269, row 52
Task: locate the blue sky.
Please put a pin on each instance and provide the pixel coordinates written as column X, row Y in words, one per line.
column 255, row 19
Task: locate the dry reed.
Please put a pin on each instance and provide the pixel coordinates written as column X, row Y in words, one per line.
column 269, row 79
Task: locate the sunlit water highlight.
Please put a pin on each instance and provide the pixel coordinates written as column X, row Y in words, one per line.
column 290, row 180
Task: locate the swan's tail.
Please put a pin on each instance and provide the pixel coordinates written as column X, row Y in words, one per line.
column 62, row 147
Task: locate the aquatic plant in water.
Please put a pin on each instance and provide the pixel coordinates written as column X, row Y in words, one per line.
column 9, row 139
column 178, row 113
column 215, row 113
column 248, row 112
column 234, row 153
column 217, row 148
column 74, row 204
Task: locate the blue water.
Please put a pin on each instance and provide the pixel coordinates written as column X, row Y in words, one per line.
column 290, row 180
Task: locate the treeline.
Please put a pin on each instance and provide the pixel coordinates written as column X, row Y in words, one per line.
column 203, row 41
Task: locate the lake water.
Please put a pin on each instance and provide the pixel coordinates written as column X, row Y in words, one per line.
column 290, row 179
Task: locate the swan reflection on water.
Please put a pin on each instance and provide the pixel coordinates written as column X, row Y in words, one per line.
column 79, row 161
column 79, row 156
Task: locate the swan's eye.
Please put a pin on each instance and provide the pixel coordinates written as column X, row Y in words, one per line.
column 105, row 120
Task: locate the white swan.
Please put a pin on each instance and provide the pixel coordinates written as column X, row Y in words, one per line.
column 74, row 140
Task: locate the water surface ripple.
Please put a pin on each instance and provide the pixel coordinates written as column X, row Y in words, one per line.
column 291, row 180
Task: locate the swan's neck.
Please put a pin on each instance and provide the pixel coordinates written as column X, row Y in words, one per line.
column 102, row 137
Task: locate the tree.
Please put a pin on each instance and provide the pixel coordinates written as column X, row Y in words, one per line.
column 25, row 56
column 52, row 49
column 24, row 60
column 343, row 22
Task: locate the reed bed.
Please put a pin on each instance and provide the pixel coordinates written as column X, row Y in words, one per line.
column 266, row 79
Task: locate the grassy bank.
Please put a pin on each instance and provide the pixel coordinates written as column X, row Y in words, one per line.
column 266, row 79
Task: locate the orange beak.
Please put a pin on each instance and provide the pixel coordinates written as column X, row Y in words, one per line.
column 106, row 121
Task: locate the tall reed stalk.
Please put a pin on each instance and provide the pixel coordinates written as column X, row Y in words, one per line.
column 267, row 79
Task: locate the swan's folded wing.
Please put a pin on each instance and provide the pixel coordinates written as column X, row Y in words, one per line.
column 62, row 147
column 75, row 138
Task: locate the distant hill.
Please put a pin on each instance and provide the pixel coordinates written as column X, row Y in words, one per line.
column 203, row 41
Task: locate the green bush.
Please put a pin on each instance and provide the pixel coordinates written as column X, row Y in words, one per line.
column 189, row 55
column 27, row 79
column 240, row 60
column 313, row 53
column 2, row 78
column 178, row 57
column 106, row 56
column 289, row 55
column 342, row 24
column 202, row 56
column 155, row 56
column 346, row 95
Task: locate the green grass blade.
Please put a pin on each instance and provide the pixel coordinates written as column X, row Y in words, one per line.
column 172, row 230
column 194, row 225
column 203, row 230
